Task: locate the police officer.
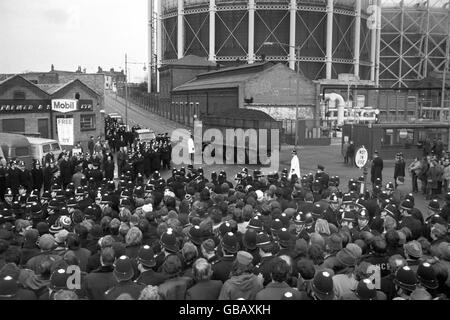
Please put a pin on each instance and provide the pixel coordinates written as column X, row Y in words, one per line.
column 264, row 268
column 222, row 267
column 123, row 272
column 146, row 262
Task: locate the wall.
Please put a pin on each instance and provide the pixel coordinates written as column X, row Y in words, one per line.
column 211, row 101
column 280, row 113
column 84, row 135
column 275, row 93
column 31, row 120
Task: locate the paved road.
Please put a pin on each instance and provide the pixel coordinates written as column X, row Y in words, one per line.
column 138, row 116
column 310, row 157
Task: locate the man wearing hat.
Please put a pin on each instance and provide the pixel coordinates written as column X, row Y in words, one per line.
column 123, row 273
column 222, row 268
column 286, row 242
column 304, row 225
column 433, row 209
column 242, row 284
column 376, row 171
column 362, row 223
column 46, row 244
column 146, row 263
column 332, row 212
column 413, row 254
column 265, row 245
column 322, row 286
column 427, row 278
column 249, row 243
column 11, row 290
column 169, row 246
column 405, row 283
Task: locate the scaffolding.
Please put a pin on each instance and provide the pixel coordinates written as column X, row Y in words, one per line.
column 235, row 31
column 413, row 40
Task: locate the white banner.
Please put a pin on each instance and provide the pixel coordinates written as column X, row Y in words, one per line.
column 64, row 105
column 65, row 131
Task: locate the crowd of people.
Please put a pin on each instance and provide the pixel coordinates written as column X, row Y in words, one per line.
column 77, row 233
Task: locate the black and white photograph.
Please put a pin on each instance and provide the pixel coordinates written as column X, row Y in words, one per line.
column 231, row 152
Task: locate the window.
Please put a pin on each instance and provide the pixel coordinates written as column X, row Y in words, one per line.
column 77, row 96
column 19, row 95
column 13, row 125
column 87, row 121
column 56, row 147
column 46, row 148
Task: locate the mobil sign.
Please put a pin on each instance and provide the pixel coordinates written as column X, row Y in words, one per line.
column 64, row 105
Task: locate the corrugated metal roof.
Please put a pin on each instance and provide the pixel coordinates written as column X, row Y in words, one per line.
column 214, row 83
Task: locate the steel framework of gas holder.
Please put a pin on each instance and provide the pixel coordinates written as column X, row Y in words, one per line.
column 327, row 35
column 413, row 40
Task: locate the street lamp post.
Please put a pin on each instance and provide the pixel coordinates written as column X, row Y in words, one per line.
column 297, row 96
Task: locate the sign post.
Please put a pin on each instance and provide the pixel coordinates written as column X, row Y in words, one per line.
column 65, row 131
column 361, row 158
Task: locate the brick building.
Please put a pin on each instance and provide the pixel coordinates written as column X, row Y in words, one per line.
column 176, row 73
column 267, row 87
column 26, row 107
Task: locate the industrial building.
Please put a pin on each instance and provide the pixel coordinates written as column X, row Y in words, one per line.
column 35, row 108
column 327, row 37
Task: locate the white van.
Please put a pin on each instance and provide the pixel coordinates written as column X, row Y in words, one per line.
column 146, row 134
column 41, row 147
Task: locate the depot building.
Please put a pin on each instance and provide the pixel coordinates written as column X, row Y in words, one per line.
column 70, row 112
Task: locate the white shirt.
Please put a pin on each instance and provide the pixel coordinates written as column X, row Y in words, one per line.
column 191, row 146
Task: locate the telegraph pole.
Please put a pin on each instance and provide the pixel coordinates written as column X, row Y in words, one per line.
column 126, row 91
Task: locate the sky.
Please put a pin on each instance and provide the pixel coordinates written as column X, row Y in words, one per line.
column 34, row 34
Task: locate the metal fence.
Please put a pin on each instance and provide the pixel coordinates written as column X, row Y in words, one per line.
column 176, row 111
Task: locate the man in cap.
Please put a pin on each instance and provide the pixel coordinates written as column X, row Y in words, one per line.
column 413, row 254
column 242, row 284
column 46, row 244
column 222, row 268
column 123, row 273
column 146, row 263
